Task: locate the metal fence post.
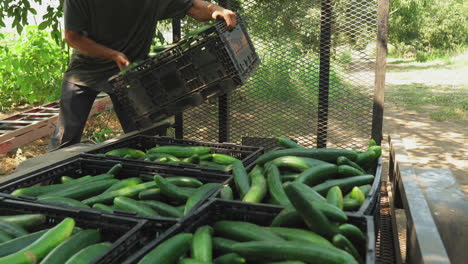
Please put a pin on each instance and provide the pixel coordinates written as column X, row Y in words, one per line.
column 223, row 105
column 179, row 118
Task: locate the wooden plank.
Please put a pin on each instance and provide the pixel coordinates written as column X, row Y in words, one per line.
column 36, row 114
column 15, row 122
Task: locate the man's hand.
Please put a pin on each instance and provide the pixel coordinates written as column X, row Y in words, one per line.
column 121, row 60
column 228, row 16
column 204, row 11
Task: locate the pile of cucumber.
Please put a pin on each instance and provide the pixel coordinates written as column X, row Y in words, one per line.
column 313, row 239
column 193, row 155
column 63, row 243
column 146, row 195
column 342, row 176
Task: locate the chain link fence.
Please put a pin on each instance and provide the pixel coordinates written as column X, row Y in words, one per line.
column 315, row 83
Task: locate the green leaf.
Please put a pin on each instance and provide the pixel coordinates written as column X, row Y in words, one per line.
column 43, row 25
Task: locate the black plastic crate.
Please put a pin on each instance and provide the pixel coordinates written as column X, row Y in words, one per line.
column 247, row 154
column 370, row 206
column 82, row 166
column 126, row 234
column 256, row 213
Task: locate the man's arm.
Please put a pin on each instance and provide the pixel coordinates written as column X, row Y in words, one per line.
column 204, row 11
column 91, row 48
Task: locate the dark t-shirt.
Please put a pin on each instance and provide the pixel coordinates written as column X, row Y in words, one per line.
column 127, row 26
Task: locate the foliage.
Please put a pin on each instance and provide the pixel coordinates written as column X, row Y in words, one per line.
column 31, row 68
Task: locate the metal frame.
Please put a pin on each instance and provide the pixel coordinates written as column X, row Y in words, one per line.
column 423, row 243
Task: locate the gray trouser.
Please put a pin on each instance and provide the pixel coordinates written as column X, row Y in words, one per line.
column 75, row 104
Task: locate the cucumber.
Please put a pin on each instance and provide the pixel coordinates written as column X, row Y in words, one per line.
column 89, row 253
column 335, row 197
column 180, row 151
column 122, row 152
column 357, row 195
column 103, row 207
column 231, row 258
column 208, row 157
column 128, row 192
column 214, row 165
column 4, row 237
column 350, row 204
column 66, row 179
column 345, row 161
column 345, row 184
column 123, row 184
column 348, row 171
column 287, row 262
column 83, row 191
column 151, row 194
column 372, row 142
column 343, row 243
column 319, row 174
column 26, row 221
column 157, row 156
column 313, row 217
column 185, row 181
column 226, row 193
column 222, row 244
column 170, row 190
column 258, row 189
column 128, row 204
column 297, row 234
column 298, row 164
column 275, row 187
column 16, row 244
column 163, row 209
column 353, row 233
column 244, row 231
column 12, row 229
column 366, row 158
column 198, row 196
column 77, row 180
column 71, row 246
column 191, row 261
column 293, row 250
column 309, row 193
column 169, row 251
column 332, row 213
column 64, row 201
column 223, row 159
column 289, row 177
column 288, row 143
column 328, row 155
column 42, row 246
column 202, row 244
column 288, row 217
column 365, row 189
column 241, row 179
column 377, row 150
column 195, row 159
column 115, row 169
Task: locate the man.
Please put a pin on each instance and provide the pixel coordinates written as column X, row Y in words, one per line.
column 107, row 35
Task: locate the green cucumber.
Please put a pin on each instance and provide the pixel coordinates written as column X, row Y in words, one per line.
column 198, row 196
column 185, row 181
column 12, row 229
column 297, row 234
column 66, row 179
column 293, row 250
column 64, row 201
column 231, row 258
column 353, row 233
column 308, row 192
column 244, row 231
column 318, row 174
column 191, row 261
column 208, row 157
column 16, row 244
column 313, row 217
column 115, row 169
column 348, row 171
column 332, row 212
column 366, row 158
column 288, row 217
column 226, row 193
column 169, row 251
column 89, row 253
column 122, row 152
column 214, row 165
column 151, row 194
column 4, row 237
column 157, row 156
column 377, row 150
column 345, row 184
column 82, row 191
column 202, row 244
column 222, row 244
column 170, row 190
column 288, row 143
column 365, row 189
column 343, row 243
column 258, row 189
column 71, row 246
column 128, row 204
column 372, row 142
column 289, row 177
column 26, row 221
column 123, row 184
column 223, row 159
column 328, row 155
column 335, row 197
column 195, row 159
column 42, row 246
column 298, row 164
column 103, row 207
column 241, row 179
column 128, row 192
column 345, row 161
column 287, row 262
column 275, row 187
column 357, row 195
column 163, row 209
column 350, row 204
column 180, row 151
